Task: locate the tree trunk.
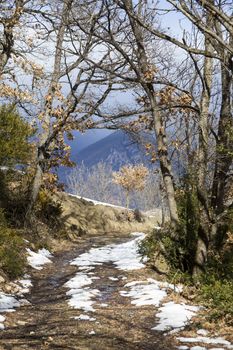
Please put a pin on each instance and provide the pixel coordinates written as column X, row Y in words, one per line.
column 204, row 224
column 224, row 144
column 127, row 200
column 160, row 133
column 222, row 184
column 165, row 164
column 45, row 133
column 7, row 41
column 35, row 187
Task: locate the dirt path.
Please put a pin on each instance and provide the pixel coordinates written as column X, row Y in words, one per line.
column 48, row 322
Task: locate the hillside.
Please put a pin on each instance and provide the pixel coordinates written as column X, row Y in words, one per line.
column 116, row 149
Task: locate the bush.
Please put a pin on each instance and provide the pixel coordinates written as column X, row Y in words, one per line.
column 217, row 295
column 15, row 133
column 12, row 259
column 49, row 210
column 14, row 196
column 154, row 249
column 176, row 251
column 138, row 216
column 149, row 246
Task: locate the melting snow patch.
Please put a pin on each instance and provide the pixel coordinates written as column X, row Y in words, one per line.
column 81, row 298
column 144, row 294
column 37, row 260
column 78, row 281
column 202, row 332
column 124, row 256
column 113, row 278
column 197, row 348
column 84, row 318
column 173, row 315
column 2, row 319
column 207, row 340
column 149, row 292
column 104, row 305
column 25, row 285
column 7, row 303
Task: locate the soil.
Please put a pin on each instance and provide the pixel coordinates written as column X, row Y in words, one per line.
column 48, row 322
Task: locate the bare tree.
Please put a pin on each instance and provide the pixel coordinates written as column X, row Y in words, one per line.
column 131, row 178
column 127, row 29
column 129, row 63
column 11, row 14
column 94, row 183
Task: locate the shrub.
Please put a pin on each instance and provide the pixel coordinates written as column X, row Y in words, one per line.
column 15, row 133
column 149, row 246
column 12, row 259
column 217, row 295
column 14, row 196
column 175, row 251
column 49, row 210
column 138, row 216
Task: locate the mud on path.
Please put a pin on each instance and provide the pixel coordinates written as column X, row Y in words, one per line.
column 48, row 322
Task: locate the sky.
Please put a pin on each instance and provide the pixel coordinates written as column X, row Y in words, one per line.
column 175, row 24
column 172, row 22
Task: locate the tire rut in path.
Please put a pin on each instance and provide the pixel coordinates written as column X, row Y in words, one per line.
column 48, row 322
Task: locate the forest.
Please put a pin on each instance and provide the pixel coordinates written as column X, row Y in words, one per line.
column 162, row 68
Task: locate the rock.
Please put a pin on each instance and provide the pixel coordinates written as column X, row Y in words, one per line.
column 14, row 287
column 8, row 288
column 24, row 302
column 21, row 323
column 2, row 279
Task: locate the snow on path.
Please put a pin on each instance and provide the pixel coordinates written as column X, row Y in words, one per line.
column 81, row 295
column 8, row 302
column 124, row 256
column 149, row 292
column 83, row 317
column 37, row 260
column 152, row 292
column 202, row 338
column 207, row 340
column 172, row 316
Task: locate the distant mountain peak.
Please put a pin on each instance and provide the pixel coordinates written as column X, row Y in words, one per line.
column 117, row 149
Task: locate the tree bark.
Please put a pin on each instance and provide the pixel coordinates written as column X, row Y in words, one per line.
column 127, row 200
column 203, row 231
column 165, row 164
column 160, row 133
column 7, row 41
column 224, row 144
column 44, row 136
column 221, row 190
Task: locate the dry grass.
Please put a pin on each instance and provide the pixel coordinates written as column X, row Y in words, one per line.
column 81, row 217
